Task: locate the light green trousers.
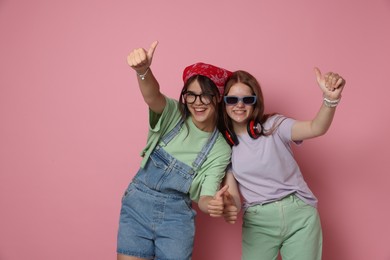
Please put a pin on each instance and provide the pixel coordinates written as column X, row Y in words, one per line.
column 288, row 226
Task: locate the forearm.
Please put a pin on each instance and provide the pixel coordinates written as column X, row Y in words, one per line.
column 150, row 90
column 233, row 189
column 303, row 130
column 140, row 60
column 321, row 123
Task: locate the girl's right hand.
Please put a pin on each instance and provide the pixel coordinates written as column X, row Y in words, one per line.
column 331, row 84
column 140, row 59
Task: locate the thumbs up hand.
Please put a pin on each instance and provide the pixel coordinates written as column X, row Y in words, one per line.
column 215, row 206
column 230, row 209
column 331, row 84
column 141, row 59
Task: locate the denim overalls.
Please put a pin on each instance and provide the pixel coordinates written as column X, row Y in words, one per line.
column 157, row 220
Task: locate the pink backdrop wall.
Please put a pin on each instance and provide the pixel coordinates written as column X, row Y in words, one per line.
column 72, row 121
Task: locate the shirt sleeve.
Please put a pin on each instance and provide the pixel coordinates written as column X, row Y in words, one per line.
column 208, row 180
column 285, row 130
column 159, row 124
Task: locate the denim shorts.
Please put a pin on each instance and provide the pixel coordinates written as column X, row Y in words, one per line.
column 151, row 223
column 156, row 218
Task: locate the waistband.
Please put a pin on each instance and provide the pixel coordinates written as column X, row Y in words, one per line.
column 289, row 197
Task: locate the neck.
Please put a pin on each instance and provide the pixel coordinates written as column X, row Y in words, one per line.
column 239, row 128
column 205, row 127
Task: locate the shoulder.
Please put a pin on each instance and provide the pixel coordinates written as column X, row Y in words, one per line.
column 281, row 126
column 170, row 116
column 278, row 120
column 172, row 104
column 221, row 148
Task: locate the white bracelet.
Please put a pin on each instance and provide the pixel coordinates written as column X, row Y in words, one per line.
column 331, row 103
column 142, row 76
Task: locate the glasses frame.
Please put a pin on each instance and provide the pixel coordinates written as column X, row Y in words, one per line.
column 208, row 97
column 240, row 99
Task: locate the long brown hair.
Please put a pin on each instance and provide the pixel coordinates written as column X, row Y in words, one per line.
column 258, row 109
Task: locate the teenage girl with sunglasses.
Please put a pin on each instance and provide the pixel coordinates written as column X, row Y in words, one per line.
column 280, row 212
column 184, row 160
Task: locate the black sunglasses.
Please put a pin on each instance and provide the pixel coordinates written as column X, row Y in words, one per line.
column 233, row 100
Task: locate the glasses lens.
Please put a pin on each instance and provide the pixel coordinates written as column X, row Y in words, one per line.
column 231, row 100
column 205, row 99
column 190, row 98
column 249, row 100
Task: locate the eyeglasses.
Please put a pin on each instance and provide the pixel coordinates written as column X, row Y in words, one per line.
column 191, row 97
column 233, row 100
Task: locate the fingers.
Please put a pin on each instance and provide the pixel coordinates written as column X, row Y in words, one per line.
column 333, row 81
column 140, row 59
column 329, row 82
column 340, row 82
column 215, row 208
column 230, row 214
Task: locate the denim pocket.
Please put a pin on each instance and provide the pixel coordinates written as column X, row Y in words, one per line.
column 253, row 210
column 157, row 162
column 130, row 190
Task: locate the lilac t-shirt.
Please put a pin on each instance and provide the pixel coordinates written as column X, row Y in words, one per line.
column 265, row 168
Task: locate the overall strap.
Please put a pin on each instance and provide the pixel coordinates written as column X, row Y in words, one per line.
column 171, row 134
column 202, row 156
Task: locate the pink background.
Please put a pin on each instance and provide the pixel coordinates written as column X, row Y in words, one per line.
column 72, row 120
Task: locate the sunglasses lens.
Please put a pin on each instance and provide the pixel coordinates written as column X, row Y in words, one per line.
column 231, row 100
column 249, row 100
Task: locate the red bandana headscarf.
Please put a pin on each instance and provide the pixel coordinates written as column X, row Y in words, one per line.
column 218, row 75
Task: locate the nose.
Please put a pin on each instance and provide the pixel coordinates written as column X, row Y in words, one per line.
column 240, row 103
column 198, row 101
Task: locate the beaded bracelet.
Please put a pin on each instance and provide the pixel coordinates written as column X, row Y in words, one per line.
column 142, row 76
column 331, row 103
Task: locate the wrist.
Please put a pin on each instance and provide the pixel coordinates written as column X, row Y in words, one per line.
column 142, row 75
column 331, row 102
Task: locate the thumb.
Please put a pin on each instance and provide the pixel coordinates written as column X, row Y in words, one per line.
column 318, row 74
column 220, row 193
column 227, row 198
column 152, row 49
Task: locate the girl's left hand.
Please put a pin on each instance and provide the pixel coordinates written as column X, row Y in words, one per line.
column 331, row 84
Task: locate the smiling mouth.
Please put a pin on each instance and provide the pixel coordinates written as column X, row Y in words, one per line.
column 239, row 111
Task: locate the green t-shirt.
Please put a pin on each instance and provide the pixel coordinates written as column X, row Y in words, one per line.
column 185, row 148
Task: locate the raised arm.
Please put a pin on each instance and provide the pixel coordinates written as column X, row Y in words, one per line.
column 331, row 84
column 141, row 60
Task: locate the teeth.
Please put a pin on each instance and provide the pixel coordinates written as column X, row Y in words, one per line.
column 239, row 111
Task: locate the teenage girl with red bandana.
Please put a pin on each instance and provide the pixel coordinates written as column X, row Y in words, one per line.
column 184, row 160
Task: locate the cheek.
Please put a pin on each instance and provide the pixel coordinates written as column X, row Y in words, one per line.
column 212, row 110
column 250, row 110
column 229, row 111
